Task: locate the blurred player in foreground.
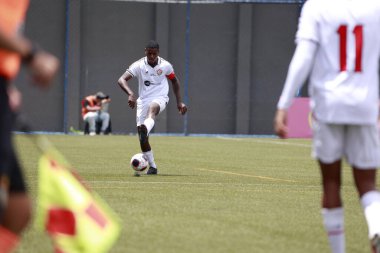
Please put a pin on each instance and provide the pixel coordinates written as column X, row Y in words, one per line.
column 153, row 73
column 15, row 206
column 338, row 44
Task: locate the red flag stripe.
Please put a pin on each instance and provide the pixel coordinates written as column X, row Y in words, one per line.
column 53, row 164
column 96, row 215
column 61, row 221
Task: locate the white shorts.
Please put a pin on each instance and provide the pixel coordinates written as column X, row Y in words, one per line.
column 359, row 144
column 143, row 107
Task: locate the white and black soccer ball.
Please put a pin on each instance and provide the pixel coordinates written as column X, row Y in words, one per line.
column 139, row 162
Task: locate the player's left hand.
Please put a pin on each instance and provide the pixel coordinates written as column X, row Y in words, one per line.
column 182, row 108
column 280, row 123
column 43, row 67
column 15, row 98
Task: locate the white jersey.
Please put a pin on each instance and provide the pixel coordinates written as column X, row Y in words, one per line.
column 344, row 78
column 153, row 82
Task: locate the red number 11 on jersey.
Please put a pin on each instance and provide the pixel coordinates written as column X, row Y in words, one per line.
column 358, row 33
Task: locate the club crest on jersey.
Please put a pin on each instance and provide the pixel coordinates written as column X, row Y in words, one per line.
column 159, row 71
column 147, row 83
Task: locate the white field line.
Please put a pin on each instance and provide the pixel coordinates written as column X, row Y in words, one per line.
column 218, row 171
column 267, row 141
column 115, row 183
column 260, row 141
column 157, row 182
column 249, row 175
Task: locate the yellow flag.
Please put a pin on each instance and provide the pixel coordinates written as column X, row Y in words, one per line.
column 76, row 218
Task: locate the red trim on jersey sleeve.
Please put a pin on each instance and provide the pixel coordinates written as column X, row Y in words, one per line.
column 171, row 76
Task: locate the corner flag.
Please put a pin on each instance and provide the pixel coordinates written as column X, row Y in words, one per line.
column 77, row 220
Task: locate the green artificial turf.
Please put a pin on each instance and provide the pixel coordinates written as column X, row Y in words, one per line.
column 212, row 194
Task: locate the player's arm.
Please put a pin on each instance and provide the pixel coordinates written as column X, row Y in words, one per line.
column 182, row 108
column 90, row 108
column 106, row 100
column 123, row 83
column 19, row 45
column 299, row 69
column 43, row 66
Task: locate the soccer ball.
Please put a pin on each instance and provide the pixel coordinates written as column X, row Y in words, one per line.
column 139, row 162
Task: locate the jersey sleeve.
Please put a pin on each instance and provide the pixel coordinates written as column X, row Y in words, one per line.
column 169, row 72
column 299, row 69
column 171, row 76
column 134, row 69
column 308, row 22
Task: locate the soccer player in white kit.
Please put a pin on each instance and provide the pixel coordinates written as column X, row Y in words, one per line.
column 153, row 73
column 338, row 48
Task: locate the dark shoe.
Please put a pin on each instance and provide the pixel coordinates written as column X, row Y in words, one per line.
column 143, row 135
column 376, row 244
column 152, row 171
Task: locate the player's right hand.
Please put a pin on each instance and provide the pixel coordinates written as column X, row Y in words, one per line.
column 132, row 101
column 280, row 123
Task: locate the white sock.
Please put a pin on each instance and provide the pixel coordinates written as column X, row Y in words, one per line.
column 150, row 157
column 371, row 205
column 333, row 221
column 149, row 123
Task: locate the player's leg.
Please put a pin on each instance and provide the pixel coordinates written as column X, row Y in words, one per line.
column 14, row 210
column 144, row 141
column 365, row 181
column 364, row 160
column 147, row 150
column 15, row 219
column 332, row 207
column 145, row 129
column 5, row 147
column 8, row 239
column 328, row 149
column 154, row 110
column 18, row 211
column 331, row 183
column 105, row 118
column 90, row 117
column 147, row 126
column 156, row 106
column 141, row 115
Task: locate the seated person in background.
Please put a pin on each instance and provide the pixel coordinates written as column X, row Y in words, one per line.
column 95, row 108
column 105, row 103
